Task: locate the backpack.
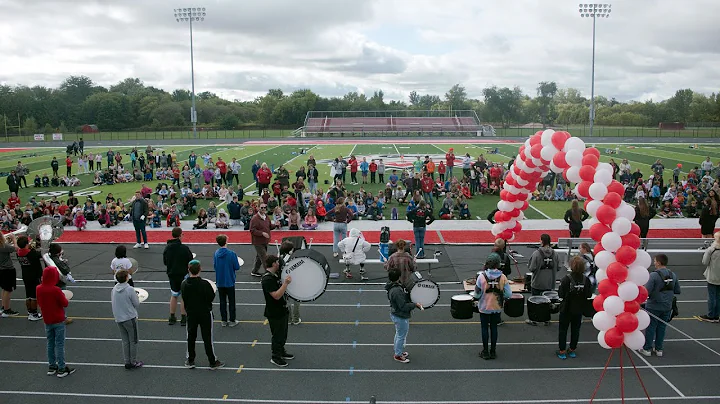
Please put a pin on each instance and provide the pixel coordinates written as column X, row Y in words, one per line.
column 577, row 289
column 593, row 266
column 496, row 287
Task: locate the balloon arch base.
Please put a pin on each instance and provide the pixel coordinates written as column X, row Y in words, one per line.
column 622, row 374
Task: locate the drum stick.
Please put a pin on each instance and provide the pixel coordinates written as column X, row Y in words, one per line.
column 381, row 254
column 277, row 246
column 310, row 244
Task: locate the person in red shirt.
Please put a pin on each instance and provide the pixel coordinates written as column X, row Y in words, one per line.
column 176, row 176
column 264, row 175
column 353, row 169
column 223, row 170
column 68, row 164
column 63, row 208
column 441, row 168
column 13, row 201
column 450, row 160
column 373, row 170
column 52, row 304
column 277, row 188
column 495, row 173
column 427, row 185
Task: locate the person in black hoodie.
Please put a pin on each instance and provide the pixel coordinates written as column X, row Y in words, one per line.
column 420, row 218
column 198, row 295
column 574, row 218
column 575, row 290
column 176, row 258
column 400, row 312
column 276, row 310
column 32, row 268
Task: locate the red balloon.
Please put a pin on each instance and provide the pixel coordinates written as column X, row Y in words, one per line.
column 525, row 205
column 530, row 164
column 518, row 227
column 536, row 138
column 535, row 150
column 521, row 151
column 591, row 151
column 631, row 240
column 559, row 160
column 506, row 235
column 511, row 197
column 499, row 216
column 503, row 194
column 606, row 215
column 522, row 197
column 517, row 170
column 614, row 337
column 607, row 288
column 598, row 248
column 590, row 160
column 632, row 307
column 510, row 180
column 559, row 139
column 598, row 230
column 613, row 200
column 642, row 296
column 587, row 173
column 616, row 187
column 626, row 255
column 514, row 213
column 634, row 229
column 598, row 302
column 626, row 322
column 617, row 272
column 583, row 188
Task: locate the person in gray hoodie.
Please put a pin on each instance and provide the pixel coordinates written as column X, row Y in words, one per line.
column 400, row 311
column 544, row 265
column 125, row 302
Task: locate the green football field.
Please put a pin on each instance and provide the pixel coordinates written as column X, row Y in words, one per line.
column 640, row 156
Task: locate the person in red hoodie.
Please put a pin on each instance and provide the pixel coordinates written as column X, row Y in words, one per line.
column 264, row 175
column 450, row 160
column 427, row 184
column 53, row 302
column 353, row 169
column 13, row 201
column 223, row 170
column 441, row 170
column 373, row 170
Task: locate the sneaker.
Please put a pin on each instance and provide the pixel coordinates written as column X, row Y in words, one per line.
column 65, row 372
column 348, row 274
column 401, row 359
column 561, row 354
column 183, row 320
column 172, row 320
column 658, row 353
column 136, row 365
column 364, row 277
column 255, row 274
column 530, row 322
column 52, row 370
column 644, row 352
column 279, row 362
column 189, row 364
column 224, row 323
column 296, row 321
column 69, row 321
column 484, row 354
column 146, row 246
column 9, row 312
column 233, row 323
column 34, row 316
column 707, row 318
column 406, row 354
column 217, row 365
column 335, row 255
column 571, row 353
column 287, row 356
column 137, row 245
column 493, row 354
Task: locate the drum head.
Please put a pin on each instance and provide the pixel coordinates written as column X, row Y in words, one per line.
column 309, row 271
column 551, row 294
column 538, row 300
column 517, row 296
column 142, row 294
column 462, row 298
column 134, row 268
column 425, row 292
column 213, row 284
column 68, row 294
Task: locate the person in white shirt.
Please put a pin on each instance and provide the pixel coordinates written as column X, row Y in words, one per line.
column 121, row 263
column 354, row 249
column 706, row 167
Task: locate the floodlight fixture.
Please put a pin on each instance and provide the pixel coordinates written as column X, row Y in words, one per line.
column 594, row 11
column 190, row 14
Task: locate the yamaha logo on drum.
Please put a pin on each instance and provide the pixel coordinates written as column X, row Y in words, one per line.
column 425, row 285
column 295, row 266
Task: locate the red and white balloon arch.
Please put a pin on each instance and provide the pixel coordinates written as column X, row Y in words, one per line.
column 623, row 268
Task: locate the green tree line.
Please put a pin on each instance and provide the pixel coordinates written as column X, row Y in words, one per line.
column 130, row 104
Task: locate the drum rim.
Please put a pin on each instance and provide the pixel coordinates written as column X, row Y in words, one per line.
column 462, row 297
column 326, row 269
column 517, row 296
column 436, row 285
column 534, row 299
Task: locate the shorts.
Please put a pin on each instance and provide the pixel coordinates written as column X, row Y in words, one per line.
column 8, row 282
column 31, row 285
column 176, row 284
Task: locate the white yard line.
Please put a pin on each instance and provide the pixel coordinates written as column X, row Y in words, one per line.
column 398, row 150
column 287, row 162
column 353, row 149
column 540, row 212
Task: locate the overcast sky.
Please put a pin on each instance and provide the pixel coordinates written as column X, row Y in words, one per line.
column 646, row 49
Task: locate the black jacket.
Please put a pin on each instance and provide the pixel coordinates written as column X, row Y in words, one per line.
column 421, row 218
column 176, row 257
column 400, row 304
column 574, row 301
column 198, row 296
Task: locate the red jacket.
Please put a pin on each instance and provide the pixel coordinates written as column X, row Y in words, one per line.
column 450, row 159
column 50, row 298
column 373, row 167
column 427, row 184
column 442, row 168
column 222, row 166
column 264, row 176
column 353, row 165
column 258, row 227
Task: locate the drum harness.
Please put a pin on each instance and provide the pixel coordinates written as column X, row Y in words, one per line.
column 493, row 287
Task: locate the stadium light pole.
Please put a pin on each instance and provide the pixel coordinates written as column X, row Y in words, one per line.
column 594, row 11
column 190, row 14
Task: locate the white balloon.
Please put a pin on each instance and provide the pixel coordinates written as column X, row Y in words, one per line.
column 528, row 152
column 614, row 305
column 574, row 143
column 634, row 340
column 643, row 319
column 573, row 174
column 611, row 241
column 642, row 259
column 601, row 340
column 547, row 152
column 537, row 162
column 603, row 321
column 603, row 259
column 592, row 207
column 592, row 222
column 603, row 177
column 604, row 167
column 554, row 168
column 497, row 229
column 638, row 275
column 518, row 204
column 546, row 137
column 544, row 174
column 628, row 291
column 626, row 211
column 598, row 191
column 524, row 191
column 505, row 206
column 600, row 275
column 521, row 181
column 621, row 226
column 574, row 158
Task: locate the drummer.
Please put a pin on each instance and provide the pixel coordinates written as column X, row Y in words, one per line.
column 544, row 264
column 491, row 289
column 403, row 262
column 575, row 290
column 276, row 310
column 505, row 264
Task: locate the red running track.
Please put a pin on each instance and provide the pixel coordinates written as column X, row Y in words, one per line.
column 326, row 237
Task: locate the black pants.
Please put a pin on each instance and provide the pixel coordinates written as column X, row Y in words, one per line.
column 381, row 178
column 353, row 176
column 372, row 177
column 24, row 181
column 488, row 326
column 574, row 321
column 442, row 177
column 91, row 165
column 227, row 297
column 237, row 178
column 205, row 322
column 575, row 232
column 69, row 170
column 279, row 330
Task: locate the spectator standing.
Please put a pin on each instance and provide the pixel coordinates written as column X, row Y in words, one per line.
column 711, row 259
column 643, row 213
column 198, row 295
column 52, row 302
column 574, row 217
column 226, row 264
column 55, row 166
column 260, row 226
column 381, row 171
column 421, row 217
column 68, row 166
column 125, row 303
column 176, row 258
column 662, row 287
column 139, row 211
column 342, row 217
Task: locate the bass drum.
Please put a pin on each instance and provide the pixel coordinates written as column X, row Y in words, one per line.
column 461, row 307
column 423, row 291
column 310, row 273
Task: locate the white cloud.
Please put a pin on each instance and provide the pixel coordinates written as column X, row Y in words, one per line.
column 647, row 48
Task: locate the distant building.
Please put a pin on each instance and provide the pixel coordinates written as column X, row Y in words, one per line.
column 671, row 125
column 89, row 129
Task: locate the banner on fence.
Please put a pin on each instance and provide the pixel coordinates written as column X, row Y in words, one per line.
column 57, row 136
column 39, row 136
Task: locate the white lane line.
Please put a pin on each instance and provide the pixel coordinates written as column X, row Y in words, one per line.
column 397, row 150
column 660, row 375
column 258, row 289
column 540, row 212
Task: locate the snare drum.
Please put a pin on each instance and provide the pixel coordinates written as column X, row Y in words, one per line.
column 515, row 305
column 554, row 301
column 461, row 307
column 538, row 309
column 423, row 291
column 310, row 273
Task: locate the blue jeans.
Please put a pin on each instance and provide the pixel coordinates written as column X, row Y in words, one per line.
column 713, row 300
column 402, row 326
column 339, row 233
column 55, row 334
column 449, row 172
column 420, row 241
column 140, row 230
column 427, row 196
column 656, row 330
